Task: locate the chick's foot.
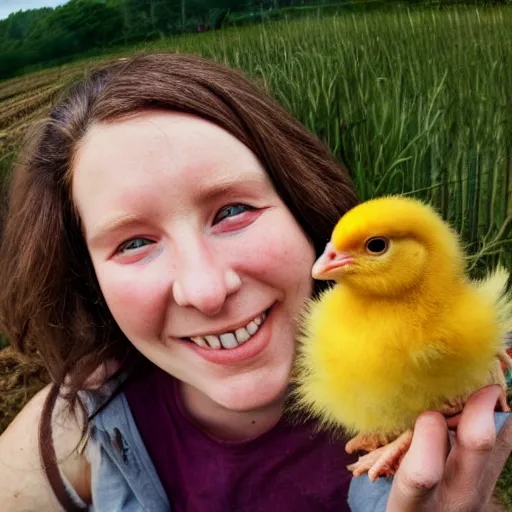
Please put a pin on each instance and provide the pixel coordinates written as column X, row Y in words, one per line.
column 498, row 377
column 503, row 402
column 366, row 442
column 383, row 461
column 452, row 407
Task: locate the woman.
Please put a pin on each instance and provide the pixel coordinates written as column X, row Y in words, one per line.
column 157, row 251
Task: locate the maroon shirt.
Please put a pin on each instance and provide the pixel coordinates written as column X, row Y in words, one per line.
column 291, row 467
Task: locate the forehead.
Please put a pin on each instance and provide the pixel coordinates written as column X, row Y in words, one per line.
column 155, row 151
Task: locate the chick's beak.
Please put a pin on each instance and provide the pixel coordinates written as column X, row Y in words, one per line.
column 330, row 262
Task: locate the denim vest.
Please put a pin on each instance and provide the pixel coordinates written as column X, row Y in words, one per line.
column 125, row 480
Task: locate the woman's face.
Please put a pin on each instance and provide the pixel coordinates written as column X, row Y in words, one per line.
column 189, row 239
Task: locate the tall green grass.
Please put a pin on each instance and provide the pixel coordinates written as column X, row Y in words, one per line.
column 413, row 101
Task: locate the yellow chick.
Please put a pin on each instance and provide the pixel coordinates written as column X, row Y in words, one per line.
column 403, row 330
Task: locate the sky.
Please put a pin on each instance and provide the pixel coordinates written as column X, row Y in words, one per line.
column 8, row 6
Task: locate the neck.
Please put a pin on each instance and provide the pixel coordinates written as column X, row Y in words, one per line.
column 226, row 424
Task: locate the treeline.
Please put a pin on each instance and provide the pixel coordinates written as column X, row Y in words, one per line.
column 46, row 35
column 50, row 36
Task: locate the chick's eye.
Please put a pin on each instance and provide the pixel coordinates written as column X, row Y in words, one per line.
column 134, row 243
column 231, row 211
column 377, row 245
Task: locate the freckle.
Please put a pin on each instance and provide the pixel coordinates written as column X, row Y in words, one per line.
column 16, row 494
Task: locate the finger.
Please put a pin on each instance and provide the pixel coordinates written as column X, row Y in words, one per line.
column 498, row 458
column 468, row 460
column 416, row 483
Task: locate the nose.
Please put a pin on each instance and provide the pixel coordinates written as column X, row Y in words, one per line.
column 201, row 282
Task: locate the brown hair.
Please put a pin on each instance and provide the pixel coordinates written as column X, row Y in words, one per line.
column 50, row 299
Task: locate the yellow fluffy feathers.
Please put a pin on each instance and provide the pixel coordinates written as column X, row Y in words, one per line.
column 403, row 330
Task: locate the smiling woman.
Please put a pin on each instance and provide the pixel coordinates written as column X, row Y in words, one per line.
column 162, row 227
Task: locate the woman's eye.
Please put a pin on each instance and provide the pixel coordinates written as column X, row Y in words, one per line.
column 134, row 243
column 231, row 211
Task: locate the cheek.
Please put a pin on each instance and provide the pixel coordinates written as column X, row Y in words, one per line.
column 278, row 252
column 136, row 297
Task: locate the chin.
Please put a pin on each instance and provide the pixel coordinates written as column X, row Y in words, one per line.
column 249, row 392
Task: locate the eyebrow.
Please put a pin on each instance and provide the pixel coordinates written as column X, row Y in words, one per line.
column 119, row 223
column 208, row 193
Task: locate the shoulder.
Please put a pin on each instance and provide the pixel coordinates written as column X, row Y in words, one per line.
column 24, row 483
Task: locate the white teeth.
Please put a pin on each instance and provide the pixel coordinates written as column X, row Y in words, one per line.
column 228, row 340
column 242, row 335
column 251, row 328
column 199, row 340
column 213, row 341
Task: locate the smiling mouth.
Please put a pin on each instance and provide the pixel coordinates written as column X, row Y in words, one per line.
column 233, row 339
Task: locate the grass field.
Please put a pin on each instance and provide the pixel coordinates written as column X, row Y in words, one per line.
column 413, row 101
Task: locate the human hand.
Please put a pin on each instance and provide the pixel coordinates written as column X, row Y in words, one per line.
column 433, row 477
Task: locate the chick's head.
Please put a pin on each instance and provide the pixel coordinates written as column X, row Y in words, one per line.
column 389, row 245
